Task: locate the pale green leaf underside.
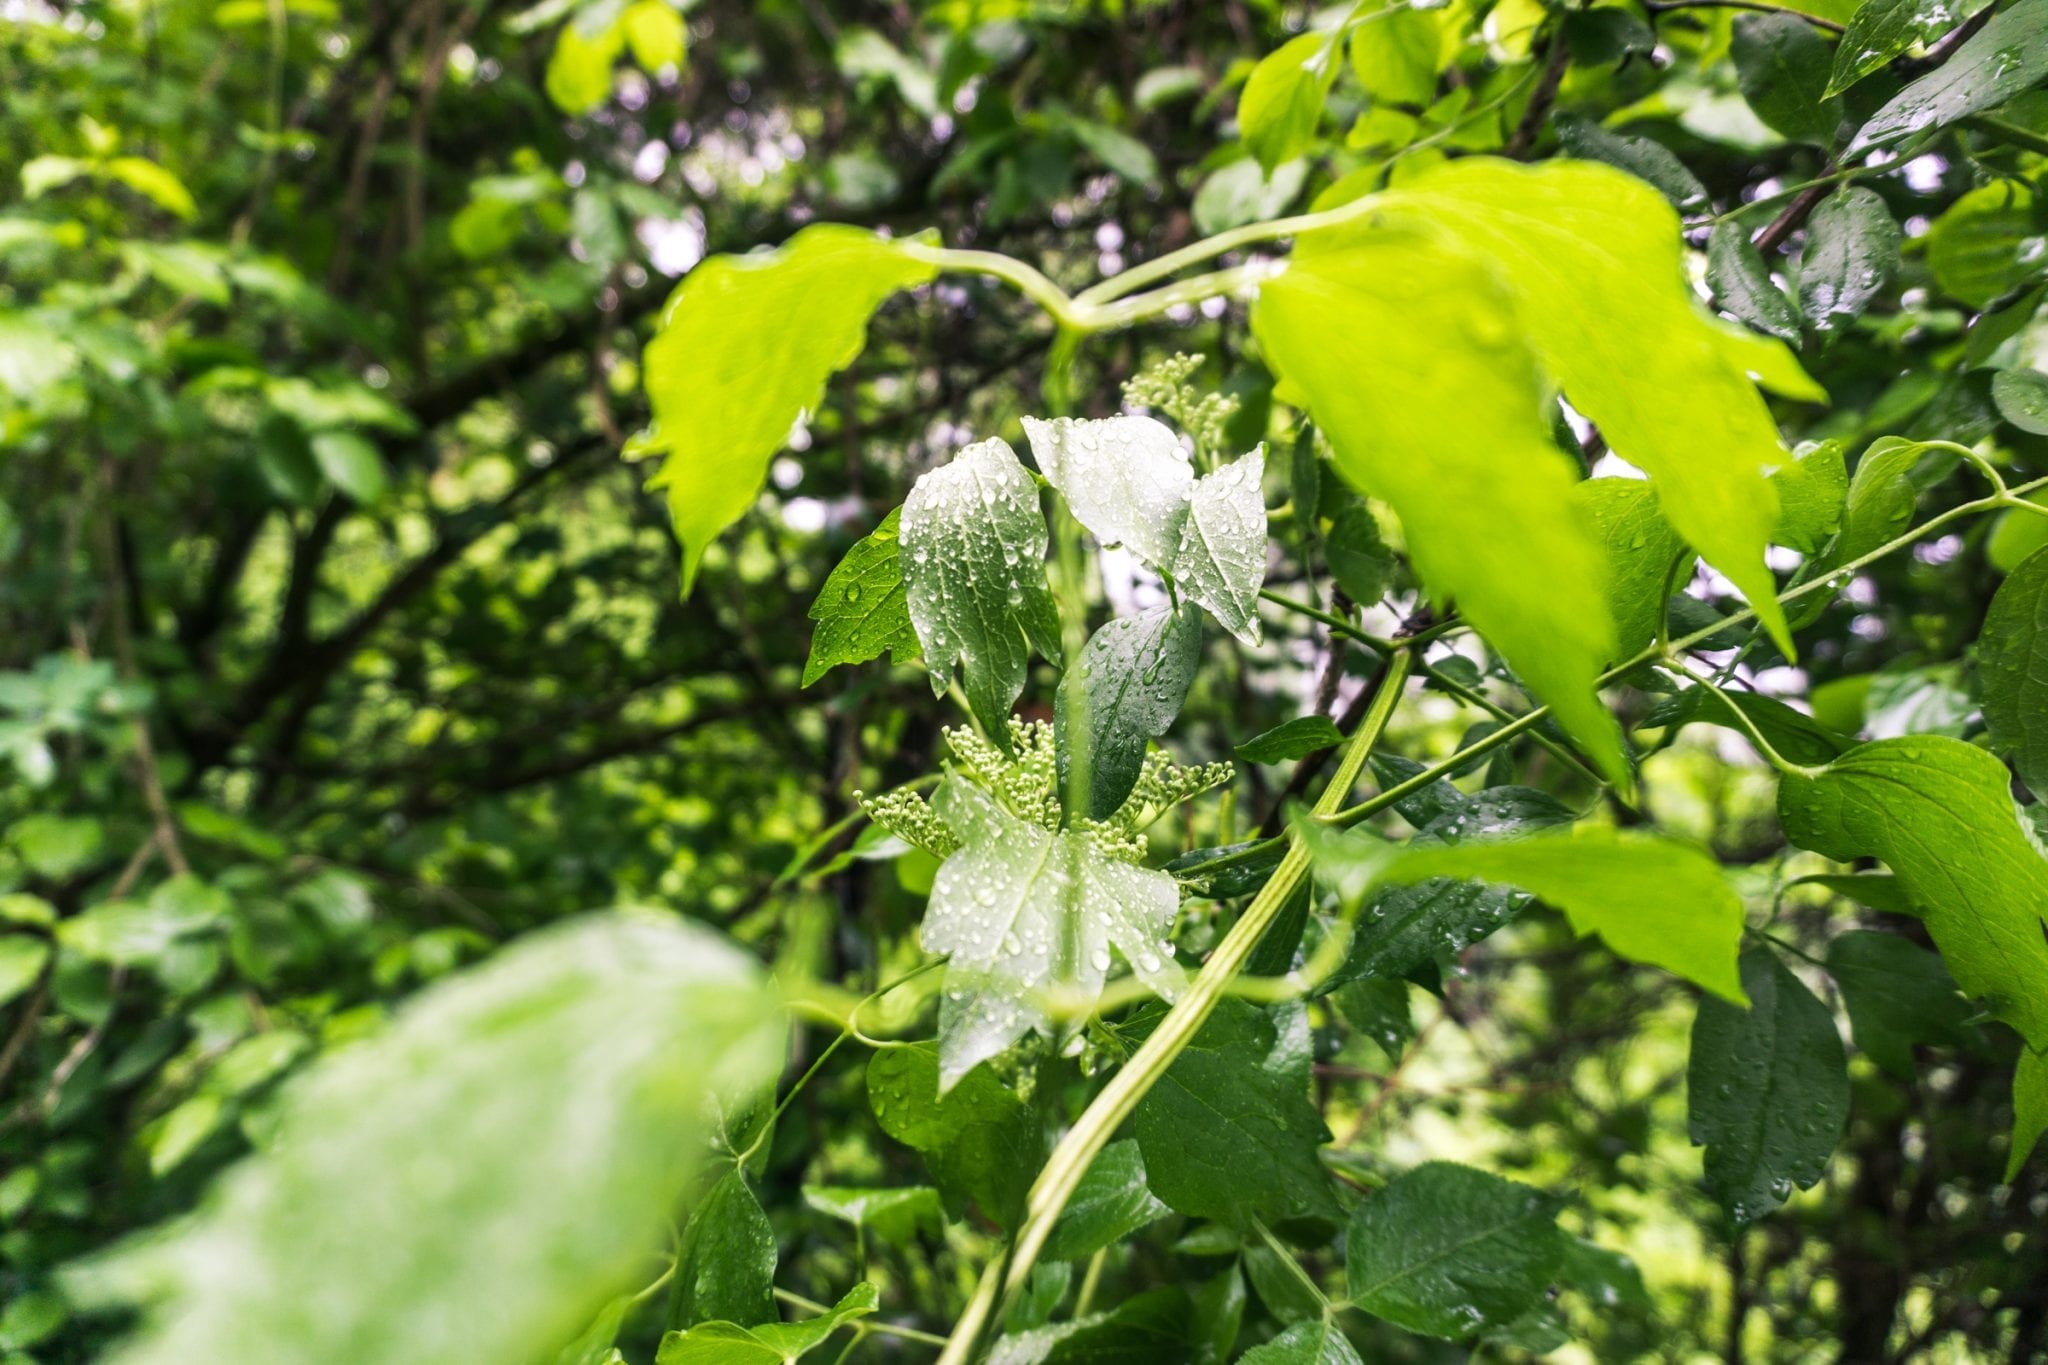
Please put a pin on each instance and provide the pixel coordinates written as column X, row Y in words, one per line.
column 744, row 350
column 1404, row 351
column 477, row 1181
column 1939, row 813
column 1023, row 912
column 1593, row 260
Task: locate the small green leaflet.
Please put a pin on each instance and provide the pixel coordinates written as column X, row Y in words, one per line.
column 1399, row 347
column 979, row 1140
column 1782, row 65
column 776, row 1343
column 2004, row 58
column 1397, row 53
column 2029, row 1108
column 1359, row 557
column 1794, row 734
column 1767, row 1089
column 1939, row 813
column 1128, row 482
column 894, row 1215
column 1125, row 689
column 1024, row 912
column 1318, row 1341
column 2021, row 397
column 1852, row 252
column 1151, row 1327
column 1228, row 1132
column 1897, row 994
column 863, row 608
column 1592, row 259
column 1449, row 1251
column 1282, row 100
column 1812, row 491
column 1112, row 1201
column 1881, row 29
column 1642, row 555
column 973, row 562
column 744, row 350
column 2012, row 667
column 1742, row 284
column 725, row 1267
column 1297, row 738
column 564, row 1082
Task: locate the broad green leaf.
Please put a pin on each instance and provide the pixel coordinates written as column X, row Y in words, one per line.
column 1229, row 1133
column 2002, row 59
column 153, row 183
column 1767, row 1089
column 1448, row 1251
column 973, row 563
column 1221, row 560
column 1878, row 890
column 1219, row 1307
column 1118, row 150
column 863, row 608
column 1297, row 738
column 1607, row 1279
column 1124, row 690
column 980, row 1141
column 1782, row 67
column 188, row 268
column 351, row 463
column 2022, row 399
column 1988, row 243
column 579, row 74
column 1743, row 286
column 1812, row 493
column 1142, row 1331
column 1794, row 734
column 1126, row 479
column 1023, row 913
column 1316, row 1342
column 1643, row 157
column 894, row 1215
column 2029, row 1109
column 565, row 1085
column 1397, row 53
column 1897, row 994
column 1403, row 351
column 1592, row 259
column 1642, row 556
column 1852, row 252
column 1112, row 1201
column 1939, row 813
column 41, row 174
column 725, row 1266
column 1282, row 100
column 1242, row 192
column 745, row 347
column 21, row 964
column 2012, row 669
column 656, row 33
column 1359, row 557
column 1882, row 29
column 776, row 1343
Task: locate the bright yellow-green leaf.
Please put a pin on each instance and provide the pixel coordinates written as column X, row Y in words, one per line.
column 1396, row 55
column 579, row 77
column 655, row 32
column 153, row 183
column 745, row 348
column 1283, row 100
column 2029, row 1108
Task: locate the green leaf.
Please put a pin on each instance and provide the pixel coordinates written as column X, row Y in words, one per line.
column 777, row 1343
column 1220, row 562
column 21, row 964
column 1447, row 1250
column 1878, row 890
column 1023, row 913
column 1988, row 243
column 1812, row 494
column 1742, row 284
column 351, row 463
column 1794, row 734
column 656, row 33
column 1642, row 554
column 1397, row 53
column 1782, row 67
column 1359, row 558
column 1242, row 192
column 974, row 576
column 154, row 183
column 894, row 1215
column 745, row 347
column 1880, row 30
column 187, row 268
column 41, row 174
column 2021, row 397
column 2005, row 57
column 979, row 1140
column 2029, row 1109
column 1939, row 813
column 725, row 1266
column 57, row 846
column 1852, row 252
column 1767, row 1089
column 1119, row 151
column 1297, row 738
column 1229, row 1132
column 1642, row 157
column 579, row 74
column 1126, row 479
column 1124, row 690
column 1112, row 1201
column 2012, row 669
column 1316, row 1342
column 1897, row 994
column 564, row 1083
column 1394, row 342
column 1593, row 261
column 1142, row 1331
column 863, row 609
column 1282, row 101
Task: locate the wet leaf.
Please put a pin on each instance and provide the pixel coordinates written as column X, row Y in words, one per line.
column 1743, row 286
column 1897, row 994
column 863, row 609
column 980, row 1141
column 1124, row 690
column 1852, row 252
column 1297, row 738
column 2005, row 57
column 1782, row 67
column 2012, row 669
column 1112, row 1201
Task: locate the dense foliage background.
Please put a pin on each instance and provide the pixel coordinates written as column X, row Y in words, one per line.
column 342, row 649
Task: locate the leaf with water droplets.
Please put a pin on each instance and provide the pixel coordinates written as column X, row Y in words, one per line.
column 863, row 609
column 973, row 563
column 771, row 1343
column 1939, row 812
column 1767, row 1089
column 1742, row 284
column 979, row 1139
column 1988, row 243
column 2012, row 667
column 1124, row 690
column 1401, row 348
column 1880, row 30
column 1897, row 994
column 1221, row 559
column 1229, row 1132
column 1125, row 478
column 1642, row 555
column 2021, row 397
column 1112, row 1201
column 1447, row 1250
column 725, row 1264
column 1852, row 252
column 2005, row 57
column 1812, row 493
column 744, row 349
column 1317, row 1341
column 1297, row 738
column 1781, row 65
column 1023, row 912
